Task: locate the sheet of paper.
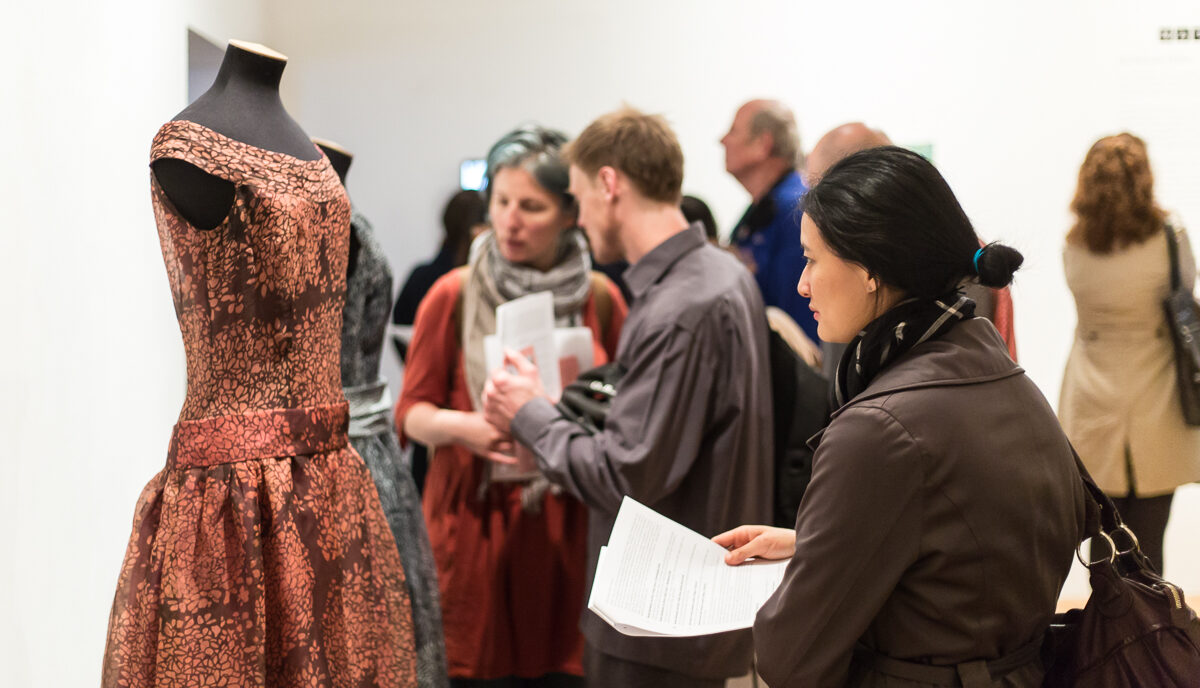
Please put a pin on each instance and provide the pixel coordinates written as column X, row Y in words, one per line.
column 660, row 578
column 575, row 352
column 526, row 325
column 493, row 356
column 602, row 570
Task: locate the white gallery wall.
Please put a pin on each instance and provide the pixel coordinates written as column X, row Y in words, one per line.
column 1009, row 95
column 92, row 372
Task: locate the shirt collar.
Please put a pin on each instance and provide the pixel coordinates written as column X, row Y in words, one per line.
column 762, row 213
column 783, row 178
column 643, row 274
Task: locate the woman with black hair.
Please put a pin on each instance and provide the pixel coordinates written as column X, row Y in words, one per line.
column 944, row 507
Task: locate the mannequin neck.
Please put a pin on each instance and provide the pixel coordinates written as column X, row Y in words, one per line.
column 244, row 104
column 259, row 71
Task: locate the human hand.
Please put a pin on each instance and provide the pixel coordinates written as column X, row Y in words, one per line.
column 510, row 387
column 483, row 439
column 764, row 542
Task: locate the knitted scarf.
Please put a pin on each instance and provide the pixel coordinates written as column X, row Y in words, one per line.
column 493, row 280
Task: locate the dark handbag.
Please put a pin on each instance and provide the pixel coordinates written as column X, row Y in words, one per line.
column 1183, row 319
column 588, row 399
column 1136, row 628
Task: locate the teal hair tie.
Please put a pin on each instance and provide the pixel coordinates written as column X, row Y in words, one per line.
column 975, row 260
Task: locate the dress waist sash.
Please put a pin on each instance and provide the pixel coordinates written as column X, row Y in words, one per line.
column 267, row 434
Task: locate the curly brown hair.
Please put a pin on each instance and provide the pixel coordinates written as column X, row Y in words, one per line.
column 1114, row 203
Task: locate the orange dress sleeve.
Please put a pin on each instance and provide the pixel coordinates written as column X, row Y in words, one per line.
column 605, row 342
column 434, row 350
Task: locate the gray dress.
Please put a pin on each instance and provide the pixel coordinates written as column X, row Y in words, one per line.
column 368, row 306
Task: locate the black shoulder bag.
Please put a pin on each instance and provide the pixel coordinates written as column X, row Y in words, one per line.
column 1183, row 319
column 1136, row 628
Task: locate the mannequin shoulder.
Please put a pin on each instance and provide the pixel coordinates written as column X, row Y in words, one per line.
column 201, row 198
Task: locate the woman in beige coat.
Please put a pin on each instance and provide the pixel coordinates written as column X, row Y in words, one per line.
column 1120, row 401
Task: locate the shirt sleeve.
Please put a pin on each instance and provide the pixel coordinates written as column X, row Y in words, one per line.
column 432, row 352
column 652, row 433
column 857, row 531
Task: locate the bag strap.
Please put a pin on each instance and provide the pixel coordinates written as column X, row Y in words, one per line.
column 1173, row 254
column 1101, row 513
column 464, row 276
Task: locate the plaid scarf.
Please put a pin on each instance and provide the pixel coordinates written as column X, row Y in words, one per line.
column 892, row 335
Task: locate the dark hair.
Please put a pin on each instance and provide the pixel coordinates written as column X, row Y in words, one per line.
column 890, row 211
column 537, row 150
column 464, row 210
column 696, row 210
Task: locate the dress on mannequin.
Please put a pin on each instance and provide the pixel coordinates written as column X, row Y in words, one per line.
column 260, row 554
column 364, row 324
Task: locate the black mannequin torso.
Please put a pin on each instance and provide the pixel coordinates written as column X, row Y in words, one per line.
column 340, row 158
column 243, row 103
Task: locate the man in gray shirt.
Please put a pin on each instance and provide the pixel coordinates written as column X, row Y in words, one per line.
column 689, row 431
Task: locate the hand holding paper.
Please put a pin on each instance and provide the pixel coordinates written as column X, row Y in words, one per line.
column 762, row 542
column 658, row 578
column 510, row 387
column 528, row 357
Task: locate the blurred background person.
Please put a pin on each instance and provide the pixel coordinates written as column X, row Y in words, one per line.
column 464, row 218
column 696, row 210
column 762, row 149
column 510, row 555
column 1120, row 400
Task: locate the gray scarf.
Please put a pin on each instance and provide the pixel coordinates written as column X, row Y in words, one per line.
column 492, row 280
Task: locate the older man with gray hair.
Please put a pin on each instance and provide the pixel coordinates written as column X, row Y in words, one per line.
column 762, row 151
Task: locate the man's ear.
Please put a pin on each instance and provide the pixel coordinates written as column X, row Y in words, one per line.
column 765, row 143
column 608, row 181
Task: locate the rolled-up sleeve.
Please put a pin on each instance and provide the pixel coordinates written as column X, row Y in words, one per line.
column 653, row 432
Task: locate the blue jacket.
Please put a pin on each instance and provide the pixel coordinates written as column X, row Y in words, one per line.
column 768, row 236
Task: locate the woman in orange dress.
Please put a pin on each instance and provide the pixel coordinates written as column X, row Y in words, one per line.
column 510, row 554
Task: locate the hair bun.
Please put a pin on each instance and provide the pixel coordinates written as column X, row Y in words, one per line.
column 996, row 263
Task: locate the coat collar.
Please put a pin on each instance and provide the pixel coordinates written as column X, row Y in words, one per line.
column 970, row 353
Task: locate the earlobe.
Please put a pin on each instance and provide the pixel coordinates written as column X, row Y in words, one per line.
column 608, row 177
column 871, row 285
